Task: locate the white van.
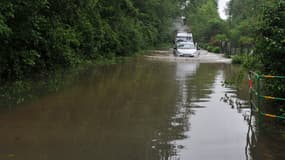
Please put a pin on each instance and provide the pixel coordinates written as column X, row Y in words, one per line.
column 186, row 48
column 183, row 36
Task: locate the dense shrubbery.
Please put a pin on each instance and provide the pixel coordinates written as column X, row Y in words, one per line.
column 261, row 28
column 271, row 45
column 237, row 59
column 42, row 35
column 212, row 48
column 237, row 34
column 248, row 61
column 255, row 29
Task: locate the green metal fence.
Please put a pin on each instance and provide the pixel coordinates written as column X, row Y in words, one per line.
column 255, row 90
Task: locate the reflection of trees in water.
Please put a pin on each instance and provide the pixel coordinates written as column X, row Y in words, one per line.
column 260, row 143
column 236, row 77
column 164, row 144
column 178, row 123
column 243, row 107
column 38, row 86
column 268, row 142
column 264, row 139
column 251, row 138
column 257, row 139
column 235, row 99
column 117, row 112
column 235, row 102
column 193, row 82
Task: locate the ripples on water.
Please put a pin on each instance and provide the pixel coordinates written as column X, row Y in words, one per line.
column 210, row 119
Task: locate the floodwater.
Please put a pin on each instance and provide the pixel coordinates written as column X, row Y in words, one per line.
column 142, row 109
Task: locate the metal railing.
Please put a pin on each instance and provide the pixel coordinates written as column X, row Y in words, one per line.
column 254, row 77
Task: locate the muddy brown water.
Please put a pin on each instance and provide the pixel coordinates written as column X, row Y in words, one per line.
column 142, row 110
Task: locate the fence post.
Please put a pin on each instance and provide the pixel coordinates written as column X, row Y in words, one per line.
column 259, row 96
column 250, row 89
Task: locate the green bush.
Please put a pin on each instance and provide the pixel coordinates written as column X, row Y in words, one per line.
column 211, row 48
column 237, row 59
column 248, row 61
column 271, row 45
column 215, row 49
column 251, row 62
column 42, row 36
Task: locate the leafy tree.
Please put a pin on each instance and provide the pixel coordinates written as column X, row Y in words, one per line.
column 271, row 44
column 204, row 20
column 43, row 35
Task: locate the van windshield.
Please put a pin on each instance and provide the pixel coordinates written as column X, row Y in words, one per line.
column 186, row 46
column 184, row 38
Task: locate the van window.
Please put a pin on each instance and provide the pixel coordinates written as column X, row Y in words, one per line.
column 184, row 38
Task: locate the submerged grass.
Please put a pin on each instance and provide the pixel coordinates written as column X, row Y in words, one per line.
column 41, row 84
column 38, row 85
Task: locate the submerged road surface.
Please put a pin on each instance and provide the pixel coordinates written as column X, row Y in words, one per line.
column 203, row 57
column 152, row 108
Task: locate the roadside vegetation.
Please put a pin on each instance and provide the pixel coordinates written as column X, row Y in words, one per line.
column 43, row 40
column 205, row 24
column 253, row 35
column 39, row 36
column 260, row 35
column 248, row 61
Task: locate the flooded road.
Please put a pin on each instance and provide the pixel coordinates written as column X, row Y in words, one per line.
column 142, row 109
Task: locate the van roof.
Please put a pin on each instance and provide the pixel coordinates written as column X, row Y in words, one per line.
column 184, row 34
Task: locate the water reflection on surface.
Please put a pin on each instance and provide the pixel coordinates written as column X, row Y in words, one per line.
column 140, row 109
column 216, row 130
